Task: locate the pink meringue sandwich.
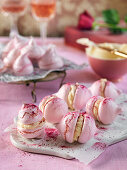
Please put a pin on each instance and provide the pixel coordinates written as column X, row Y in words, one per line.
column 30, row 121
column 75, row 95
column 23, row 66
column 102, row 109
column 104, row 88
column 50, row 59
column 53, row 108
column 76, row 126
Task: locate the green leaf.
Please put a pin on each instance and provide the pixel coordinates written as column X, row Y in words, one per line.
column 111, row 16
column 116, row 30
column 125, row 19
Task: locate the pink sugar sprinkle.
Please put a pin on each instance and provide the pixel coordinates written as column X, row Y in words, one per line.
column 106, row 100
column 64, row 146
column 88, row 117
column 82, row 113
column 101, row 128
column 29, row 105
column 68, row 84
column 24, row 143
column 95, row 134
column 51, row 133
column 69, row 113
column 19, row 165
column 96, row 137
column 82, row 86
column 123, row 119
column 99, row 145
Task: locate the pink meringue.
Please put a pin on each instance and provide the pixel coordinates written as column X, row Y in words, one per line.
column 23, row 66
column 53, row 108
column 50, row 59
column 75, row 95
column 2, row 67
column 33, row 50
column 30, row 121
column 102, row 109
column 104, row 88
column 15, row 42
column 12, row 55
column 76, row 126
column 9, row 46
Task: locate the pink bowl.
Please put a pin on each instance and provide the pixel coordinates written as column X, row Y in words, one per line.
column 110, row 69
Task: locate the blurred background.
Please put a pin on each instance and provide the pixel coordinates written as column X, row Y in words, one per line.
column 67, row 14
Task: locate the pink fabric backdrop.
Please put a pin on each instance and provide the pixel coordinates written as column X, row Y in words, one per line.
column 11, row 98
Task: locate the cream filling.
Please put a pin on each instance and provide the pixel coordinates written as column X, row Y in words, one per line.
column 31, row 126
column 78, row 128
column 103, row 85
column 95, row 109
column 71, row 96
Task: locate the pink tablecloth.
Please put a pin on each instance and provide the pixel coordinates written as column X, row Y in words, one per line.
column 11, row 98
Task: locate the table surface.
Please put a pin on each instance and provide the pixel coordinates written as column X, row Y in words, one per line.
column 13, row 96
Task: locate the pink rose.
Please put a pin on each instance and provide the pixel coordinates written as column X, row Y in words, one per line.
column 85, row 21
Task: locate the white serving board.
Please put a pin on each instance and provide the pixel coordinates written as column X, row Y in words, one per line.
column 16, row 140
